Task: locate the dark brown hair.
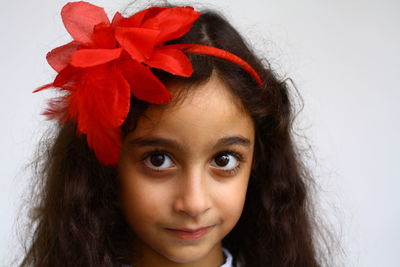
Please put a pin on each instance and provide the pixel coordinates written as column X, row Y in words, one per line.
column 77, row 220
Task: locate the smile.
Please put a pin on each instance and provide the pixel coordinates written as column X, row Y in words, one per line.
column 188, row 234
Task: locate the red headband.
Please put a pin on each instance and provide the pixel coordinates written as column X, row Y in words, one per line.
column 107, row 61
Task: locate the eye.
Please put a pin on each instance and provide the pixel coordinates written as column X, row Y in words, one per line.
column 225, row 161
column 158, row 161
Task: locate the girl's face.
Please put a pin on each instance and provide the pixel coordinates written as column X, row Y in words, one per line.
column 184, row 173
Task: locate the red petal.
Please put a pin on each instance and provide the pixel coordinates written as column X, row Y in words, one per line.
column 80, row 18
column 103, row 37
column 144, row 84
column 137, row 19
column 59, row 57
column 92, row 57
column 138, row 42
column 171, row 60
column 173, row 22
column 117, row 19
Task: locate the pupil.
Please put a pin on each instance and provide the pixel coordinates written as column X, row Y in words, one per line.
column 222, row 160
column 157, row 159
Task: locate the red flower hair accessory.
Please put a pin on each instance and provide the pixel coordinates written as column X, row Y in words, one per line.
column 108, row 61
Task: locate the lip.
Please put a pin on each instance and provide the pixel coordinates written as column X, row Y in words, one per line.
column 190, row 234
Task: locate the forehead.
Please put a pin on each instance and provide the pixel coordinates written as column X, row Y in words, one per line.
column 197, row 116
column 209, row 91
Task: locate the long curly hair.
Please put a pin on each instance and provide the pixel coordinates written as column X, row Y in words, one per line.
column 76, row 216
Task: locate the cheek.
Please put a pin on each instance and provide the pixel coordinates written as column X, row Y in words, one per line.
column 140, row 201
column 231, row 201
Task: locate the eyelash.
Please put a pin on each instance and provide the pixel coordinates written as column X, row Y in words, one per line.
column 238, row 156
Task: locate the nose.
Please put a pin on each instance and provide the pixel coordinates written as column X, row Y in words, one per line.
column 193, row 196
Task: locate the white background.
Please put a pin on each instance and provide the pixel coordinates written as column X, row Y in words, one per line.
column 344, row 58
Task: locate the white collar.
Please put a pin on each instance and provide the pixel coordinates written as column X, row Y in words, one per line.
column 228, row 260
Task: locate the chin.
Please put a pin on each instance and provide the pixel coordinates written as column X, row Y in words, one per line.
column 185, row 255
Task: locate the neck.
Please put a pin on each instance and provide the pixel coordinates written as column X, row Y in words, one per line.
column 147, row 257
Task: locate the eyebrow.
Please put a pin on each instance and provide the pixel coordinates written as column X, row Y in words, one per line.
column 170, row 143
column 233, row 140
column 155, row 141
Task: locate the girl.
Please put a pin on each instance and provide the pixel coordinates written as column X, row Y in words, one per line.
column 174, row 148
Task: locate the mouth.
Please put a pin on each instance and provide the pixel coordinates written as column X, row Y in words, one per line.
column 190, row 234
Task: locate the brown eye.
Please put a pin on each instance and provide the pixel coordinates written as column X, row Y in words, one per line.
column 222, row 160
column 225, row 161
column 158, row 161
